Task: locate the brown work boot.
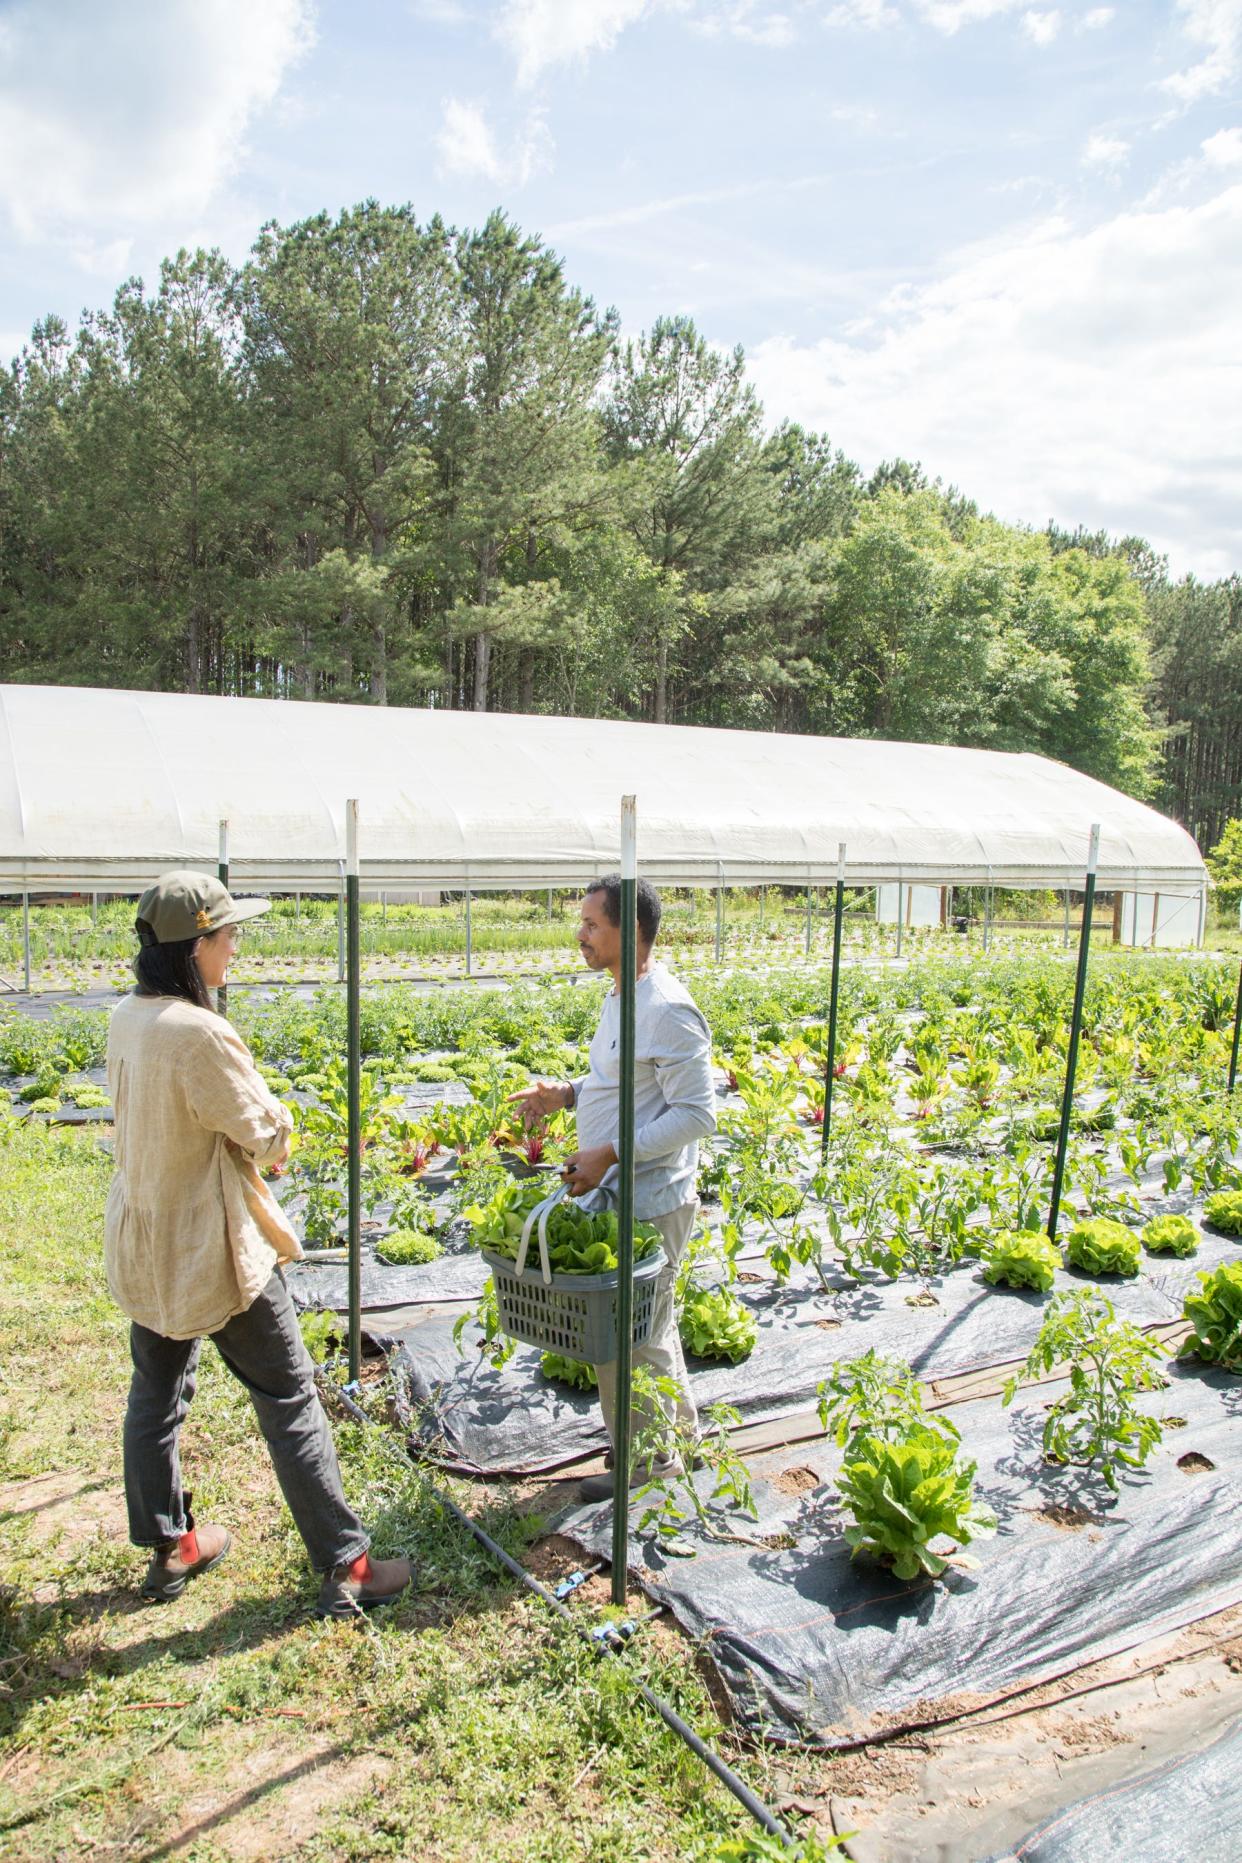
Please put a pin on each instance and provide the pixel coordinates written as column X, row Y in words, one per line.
column 176, row 1562
column 348, row 1589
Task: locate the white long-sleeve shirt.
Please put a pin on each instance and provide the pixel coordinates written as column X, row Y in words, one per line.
column 674, row 1094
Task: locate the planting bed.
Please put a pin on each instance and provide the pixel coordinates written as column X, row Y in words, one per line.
column 946, row 1081
column 817, row 1648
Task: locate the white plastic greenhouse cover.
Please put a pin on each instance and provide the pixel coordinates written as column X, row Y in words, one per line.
column 105, row 789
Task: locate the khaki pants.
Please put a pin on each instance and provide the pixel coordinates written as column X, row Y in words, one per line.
column 661, row 1351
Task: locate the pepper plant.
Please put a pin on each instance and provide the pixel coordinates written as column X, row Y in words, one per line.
column 1110, row 1362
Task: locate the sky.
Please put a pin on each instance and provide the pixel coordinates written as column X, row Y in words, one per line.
column 999, row 237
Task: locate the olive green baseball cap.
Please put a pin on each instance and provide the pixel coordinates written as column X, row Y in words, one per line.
column 185, row 905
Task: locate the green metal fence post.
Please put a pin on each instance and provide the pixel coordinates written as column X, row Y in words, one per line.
column 1237, row 1030
column 1071, row 1058
column 340, row 922
column 222, row 869
column 625, row 1202
column 809, row 909
column 469, row 938
column 831, row 1066
column 719, row 912
column 353, row 1039
column 26, row 940
column 901, row 913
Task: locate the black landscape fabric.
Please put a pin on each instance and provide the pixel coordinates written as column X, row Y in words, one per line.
column 817, row 1648
column 1189, row 1807
column 502, row 1422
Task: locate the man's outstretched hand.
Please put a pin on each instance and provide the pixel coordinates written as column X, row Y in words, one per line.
column 539, row 1102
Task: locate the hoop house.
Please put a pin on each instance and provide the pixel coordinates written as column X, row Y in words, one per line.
column 103, row 790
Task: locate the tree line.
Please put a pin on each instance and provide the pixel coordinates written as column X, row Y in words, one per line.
column 393, row 463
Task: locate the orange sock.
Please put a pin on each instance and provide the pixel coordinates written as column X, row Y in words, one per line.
column 360, row 1570
column 187, row 1548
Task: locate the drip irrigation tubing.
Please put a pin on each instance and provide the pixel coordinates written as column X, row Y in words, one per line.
column 764, row 1817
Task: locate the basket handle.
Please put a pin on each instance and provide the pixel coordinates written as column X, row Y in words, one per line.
column 540, row 1213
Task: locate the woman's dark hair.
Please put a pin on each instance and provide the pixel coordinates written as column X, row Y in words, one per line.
column 169, row 969
column 647, row 904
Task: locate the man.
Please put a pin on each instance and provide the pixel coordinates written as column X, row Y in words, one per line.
column 674, row 1107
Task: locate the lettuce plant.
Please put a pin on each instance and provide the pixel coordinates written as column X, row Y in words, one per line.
column 902, row 1479
column 1170, row 1235
column 904, row 1494
column 402, row 1247
column 1101, row 1246
column 1215, row 1312
column 1224, row 1212
column 574, row 1372
column 579, row 1242
column 715, row 1325
column 1021, row 1258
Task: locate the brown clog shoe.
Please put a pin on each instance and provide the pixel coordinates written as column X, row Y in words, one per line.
column 176, row 1562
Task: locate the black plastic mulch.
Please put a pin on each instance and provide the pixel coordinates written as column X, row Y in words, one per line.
column 1189, row 1807
column 513, row 1420
column 820, row 1649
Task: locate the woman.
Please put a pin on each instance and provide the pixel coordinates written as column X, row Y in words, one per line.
column 193, row 1240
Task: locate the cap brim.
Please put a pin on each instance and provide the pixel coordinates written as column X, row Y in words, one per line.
column 246, row 909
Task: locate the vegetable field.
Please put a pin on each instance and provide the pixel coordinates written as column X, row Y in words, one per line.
column 73, row 946
column 916, row 1387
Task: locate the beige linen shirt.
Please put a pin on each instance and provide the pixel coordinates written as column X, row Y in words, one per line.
column 191, row 1231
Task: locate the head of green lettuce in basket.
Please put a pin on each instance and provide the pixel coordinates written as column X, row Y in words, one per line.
column 188, row 927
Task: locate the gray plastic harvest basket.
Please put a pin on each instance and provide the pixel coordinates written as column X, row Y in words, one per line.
column 573, row 1314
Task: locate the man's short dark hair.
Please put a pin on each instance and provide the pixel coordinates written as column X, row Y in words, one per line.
column 648, row 904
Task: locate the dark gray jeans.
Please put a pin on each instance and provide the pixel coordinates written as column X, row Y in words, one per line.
column 263, row 1349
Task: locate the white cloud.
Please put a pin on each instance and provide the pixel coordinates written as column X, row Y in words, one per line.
column 1216, row 26
column 114, row 117
column 466, row 146
column 440, row 12
column 540, row 33
column 1224, row 149
column 951, row 15
column 1105, row 151
column 749, row 20
column 1097, row 19
column 869, row 13
column 1041, row 28
column 1088, row 376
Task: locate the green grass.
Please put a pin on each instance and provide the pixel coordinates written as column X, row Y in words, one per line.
column 463, row 1723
